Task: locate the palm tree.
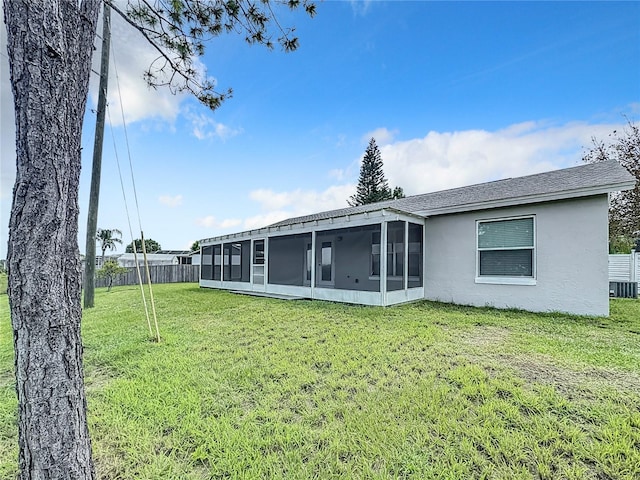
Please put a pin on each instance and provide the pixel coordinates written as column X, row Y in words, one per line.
column 108, row 239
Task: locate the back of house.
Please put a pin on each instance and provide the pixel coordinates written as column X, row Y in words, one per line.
column 537, row 243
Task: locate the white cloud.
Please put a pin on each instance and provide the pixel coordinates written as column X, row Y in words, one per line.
column 342, row 140
column 278, row 206
column 211, row 222
column 205, row 127
column 131, row 55
column 281, row 205
column 302, row 202
column 442, row 160
column 259, row 221
column 271, row 200
column 208, row 221
column 345, row 174
column 338, row 173
column 382, row 135
column 360, row 7
column 170, row 201
column 230, row 222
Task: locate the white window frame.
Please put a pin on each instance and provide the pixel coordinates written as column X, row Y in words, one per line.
column 506, row 280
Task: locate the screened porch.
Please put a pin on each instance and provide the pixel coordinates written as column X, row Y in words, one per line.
column 375, row 260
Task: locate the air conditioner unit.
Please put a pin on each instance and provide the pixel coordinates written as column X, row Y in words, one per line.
column 623, row 289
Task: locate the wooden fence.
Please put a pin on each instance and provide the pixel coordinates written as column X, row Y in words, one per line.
column 158, row 274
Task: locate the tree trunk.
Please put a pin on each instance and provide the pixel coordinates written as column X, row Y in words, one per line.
column 50, row 43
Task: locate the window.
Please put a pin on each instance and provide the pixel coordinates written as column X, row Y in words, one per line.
column 506, row 249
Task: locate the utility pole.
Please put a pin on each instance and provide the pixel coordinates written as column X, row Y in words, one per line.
column 94, row 195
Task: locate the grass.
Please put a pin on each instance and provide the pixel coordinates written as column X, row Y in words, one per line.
column 247, row 387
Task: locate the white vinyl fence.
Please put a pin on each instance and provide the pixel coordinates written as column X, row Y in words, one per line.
column 624, row 268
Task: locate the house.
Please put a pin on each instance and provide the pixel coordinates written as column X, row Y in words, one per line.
column 161, row 257
column 194, row 258
column 536, row 243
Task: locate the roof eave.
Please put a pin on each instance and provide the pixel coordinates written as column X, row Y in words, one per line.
column 339, row 221
column 421, row 214
column 528, row 199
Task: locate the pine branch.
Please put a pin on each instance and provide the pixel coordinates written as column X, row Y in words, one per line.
column 178, row 29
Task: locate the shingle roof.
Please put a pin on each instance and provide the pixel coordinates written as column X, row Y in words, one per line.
column 571, row 182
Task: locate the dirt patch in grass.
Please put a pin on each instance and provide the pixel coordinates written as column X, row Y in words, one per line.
column 96, row 379
column 7, row 379
column 486, row 336
column 481, row 337
column 538, row 369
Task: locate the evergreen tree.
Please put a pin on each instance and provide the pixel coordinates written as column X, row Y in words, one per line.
column 372, row 184
column 398, row 192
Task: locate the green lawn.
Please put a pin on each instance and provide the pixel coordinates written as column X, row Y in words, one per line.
column 247, row 387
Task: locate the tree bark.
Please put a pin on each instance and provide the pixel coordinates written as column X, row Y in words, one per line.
column 50, row 43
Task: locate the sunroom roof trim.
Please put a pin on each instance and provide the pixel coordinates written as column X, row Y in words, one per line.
column 310, row 225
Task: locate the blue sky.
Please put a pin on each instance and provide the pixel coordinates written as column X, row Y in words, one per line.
column 455, row 93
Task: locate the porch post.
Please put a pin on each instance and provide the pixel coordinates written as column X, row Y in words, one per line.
column 424, row 257
column 222, row 262
column 405, row 269
column 383, row 263
column 266, row 261
column 251, row 247
column 313, row 264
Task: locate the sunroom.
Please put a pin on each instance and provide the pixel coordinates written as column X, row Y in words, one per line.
column 341, row 258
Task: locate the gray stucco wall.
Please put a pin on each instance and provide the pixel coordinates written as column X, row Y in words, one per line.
column 571, row 259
